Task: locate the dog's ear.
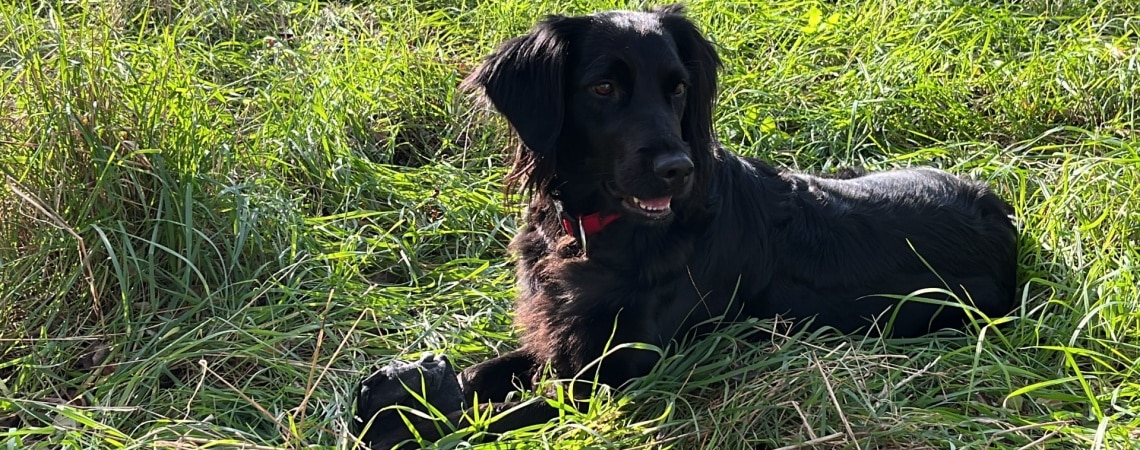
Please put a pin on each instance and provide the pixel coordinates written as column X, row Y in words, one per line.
column 701, row 60
column 524, row 81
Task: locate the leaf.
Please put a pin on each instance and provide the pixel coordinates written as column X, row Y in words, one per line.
column 814, row 19
column 833, row 20
column 768, row 126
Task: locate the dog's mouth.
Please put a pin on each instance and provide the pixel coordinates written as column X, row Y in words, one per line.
column 654, row 208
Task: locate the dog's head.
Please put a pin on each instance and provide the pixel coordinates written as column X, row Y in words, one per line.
column 613, row 110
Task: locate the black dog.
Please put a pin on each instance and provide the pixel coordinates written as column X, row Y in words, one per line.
column 640, row 226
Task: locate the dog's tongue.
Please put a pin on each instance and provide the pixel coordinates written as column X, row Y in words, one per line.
column 656, row 203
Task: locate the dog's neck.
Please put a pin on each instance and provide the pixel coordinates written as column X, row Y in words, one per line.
column 577, row 209
column 582, row 226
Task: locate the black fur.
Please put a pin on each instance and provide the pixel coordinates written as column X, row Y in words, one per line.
column 602, row 125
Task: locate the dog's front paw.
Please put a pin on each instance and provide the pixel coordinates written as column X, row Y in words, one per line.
column 431, row 378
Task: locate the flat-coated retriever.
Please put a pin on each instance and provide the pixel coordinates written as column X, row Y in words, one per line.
column 640, row 226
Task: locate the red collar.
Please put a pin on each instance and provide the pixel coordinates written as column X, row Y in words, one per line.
column 583, row 226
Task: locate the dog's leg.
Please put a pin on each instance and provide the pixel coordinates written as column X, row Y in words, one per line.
column 394, row 433
column 495, row 379
column 433, row 378
column 398, row 384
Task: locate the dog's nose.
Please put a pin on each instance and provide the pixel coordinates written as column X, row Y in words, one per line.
column 672, row 167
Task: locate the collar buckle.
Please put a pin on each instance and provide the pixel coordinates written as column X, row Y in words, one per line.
column 581, row 226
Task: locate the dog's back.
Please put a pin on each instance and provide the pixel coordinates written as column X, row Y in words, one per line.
column 848, row 249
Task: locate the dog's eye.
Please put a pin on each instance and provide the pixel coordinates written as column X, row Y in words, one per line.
column 679, row 89
column 602, row 89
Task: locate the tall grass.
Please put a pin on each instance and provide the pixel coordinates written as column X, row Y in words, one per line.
column 218, row 214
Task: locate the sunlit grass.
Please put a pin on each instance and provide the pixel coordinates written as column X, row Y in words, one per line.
column 217, row 215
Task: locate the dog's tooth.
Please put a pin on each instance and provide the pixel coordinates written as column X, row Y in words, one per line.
column 648, row 207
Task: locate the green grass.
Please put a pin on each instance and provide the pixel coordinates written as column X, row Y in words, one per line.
column 216, row 215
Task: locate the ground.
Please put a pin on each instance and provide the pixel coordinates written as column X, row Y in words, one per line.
column 217, row 215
